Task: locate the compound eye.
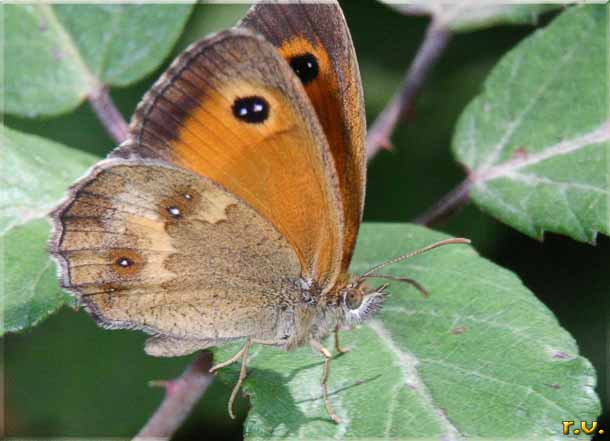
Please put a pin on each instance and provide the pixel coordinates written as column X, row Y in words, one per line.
column 353, row 299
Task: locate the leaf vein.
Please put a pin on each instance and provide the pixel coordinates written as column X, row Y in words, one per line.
column 408, row 365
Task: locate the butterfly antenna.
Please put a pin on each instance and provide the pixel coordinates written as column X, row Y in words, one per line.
column 412, row 282
column 415, row 253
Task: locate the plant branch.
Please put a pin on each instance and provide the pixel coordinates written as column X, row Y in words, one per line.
column 447, row 205
column 108, row 114
column 435, row 41
column 181, row 394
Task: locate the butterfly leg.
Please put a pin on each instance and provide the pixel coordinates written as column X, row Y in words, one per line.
column 233, row 359
column 243, row 355
column 327, row 359
column 338, row 347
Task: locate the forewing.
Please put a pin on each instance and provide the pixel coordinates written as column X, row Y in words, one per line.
column 300, row 30
column 279, row 165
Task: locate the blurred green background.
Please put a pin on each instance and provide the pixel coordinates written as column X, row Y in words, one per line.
column 67, row 377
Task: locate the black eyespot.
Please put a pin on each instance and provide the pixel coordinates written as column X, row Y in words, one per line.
column 252, row 109
column 124, row 262
column 305, row 66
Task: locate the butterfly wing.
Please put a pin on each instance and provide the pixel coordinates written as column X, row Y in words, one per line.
column 232, row 110
column 315, row 40
column 148, row 246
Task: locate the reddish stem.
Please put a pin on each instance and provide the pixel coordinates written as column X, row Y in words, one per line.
column 181, row 394
column 447, row 205
column 435, row 41
column 108, row 114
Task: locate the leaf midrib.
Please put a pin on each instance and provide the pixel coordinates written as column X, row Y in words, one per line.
column 451, row 433
column 597, row 135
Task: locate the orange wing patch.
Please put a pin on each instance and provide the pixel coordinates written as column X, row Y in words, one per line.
column 322, row 89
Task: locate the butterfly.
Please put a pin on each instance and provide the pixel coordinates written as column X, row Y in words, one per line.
column 231, row 212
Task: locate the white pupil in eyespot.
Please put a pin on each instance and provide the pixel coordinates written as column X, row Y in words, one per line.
column 252, row 109
column 124, row 262
column 257, row 107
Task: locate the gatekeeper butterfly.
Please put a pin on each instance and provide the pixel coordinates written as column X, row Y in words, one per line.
column 231, row 211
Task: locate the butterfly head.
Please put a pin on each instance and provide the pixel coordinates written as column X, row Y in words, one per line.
column 359, row 302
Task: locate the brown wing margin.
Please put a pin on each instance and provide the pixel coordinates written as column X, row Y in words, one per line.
column 320, row 29
column 281, row 166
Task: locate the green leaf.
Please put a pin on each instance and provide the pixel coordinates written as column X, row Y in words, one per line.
column 34, row 176
column 468, row 16
column 536, row 140
column 481, row 357
column 57, row 55
column 31, row 291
